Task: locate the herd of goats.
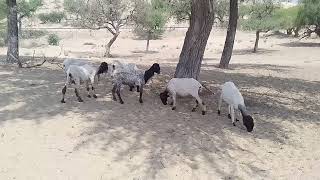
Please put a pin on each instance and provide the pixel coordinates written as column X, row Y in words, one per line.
column 82, row 72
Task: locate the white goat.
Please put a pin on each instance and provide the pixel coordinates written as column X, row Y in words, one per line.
column 79, row 74
column 103, row 68
column 232, row 96
column 183, row 87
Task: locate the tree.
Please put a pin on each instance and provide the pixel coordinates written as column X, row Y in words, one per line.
column 285, row 18
column 27, row 9
column 258, row 17
column 12, row 29
column 191, row 56
column 150, row 18
column 309, row 16
column 231, row 33
column 104, row 14
column 181, row 9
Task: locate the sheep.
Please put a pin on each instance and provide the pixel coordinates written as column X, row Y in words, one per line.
column 103, row 68
column 78, row 74
column 183, row 87
column 232, row 96
column 118, row 66
column 133, row 78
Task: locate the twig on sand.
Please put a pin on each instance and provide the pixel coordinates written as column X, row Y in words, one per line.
column 36, row 65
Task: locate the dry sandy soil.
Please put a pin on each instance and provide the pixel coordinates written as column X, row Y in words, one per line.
column 40, row 138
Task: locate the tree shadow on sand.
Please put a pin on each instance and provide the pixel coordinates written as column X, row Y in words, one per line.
column 300, row 44
column 160, row 137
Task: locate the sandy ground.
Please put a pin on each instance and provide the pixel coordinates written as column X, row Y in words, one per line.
column 40, row 138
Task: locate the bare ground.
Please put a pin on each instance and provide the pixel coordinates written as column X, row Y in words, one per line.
column 40, row 138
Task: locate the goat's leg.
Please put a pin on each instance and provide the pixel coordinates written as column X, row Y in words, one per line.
column 229, row 111
column 119, row 95
column 138, row 90
column 232, row 115
column 203, row 106
column 64, row 90
column 114, row 92
column 88, row 89
column 77, row 94
column 195, row 107
column 219, row 104
column 174, row 101
column 141, row 92
column 93, row 92
column 131, row 88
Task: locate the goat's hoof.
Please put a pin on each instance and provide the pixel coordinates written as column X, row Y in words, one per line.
column 62, row 101
column 80, row 100
column 121, row 102
column 193, row 110
column 229, row 116
column 115, row 99
column 95, row 96
column 173, row 108
column 219, row 112
column 234, row 124
column 237, row 119
column 130, row 90
column 89, row 96
column 203, row 113
column 138, row 90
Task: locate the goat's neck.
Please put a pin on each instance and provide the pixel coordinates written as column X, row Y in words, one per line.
column 147, row 75
column 243, row 110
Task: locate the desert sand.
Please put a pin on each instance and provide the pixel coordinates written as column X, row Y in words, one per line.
column 42, row 139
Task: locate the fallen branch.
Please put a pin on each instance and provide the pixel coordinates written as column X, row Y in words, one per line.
column 37, row 65
column 207, row 88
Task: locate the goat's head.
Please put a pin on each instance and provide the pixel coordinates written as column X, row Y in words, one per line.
column 248, row 122
column 103, row 68
column 164, row 97
column 155, row 68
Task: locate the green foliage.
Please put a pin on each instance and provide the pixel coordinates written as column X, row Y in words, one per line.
column 309, row 13
column 258, row 16
column 75, row 7
column 180, row 9
column 53, row 17
column 3, row 37
column 3, row 10
column 53, row 39
column 222, row 9
column 28, row 8
column 285, row 18
column 33, row 34
column 150, row 18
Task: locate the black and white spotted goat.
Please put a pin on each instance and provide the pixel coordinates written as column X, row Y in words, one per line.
column 132, row 77
column 232, row 96
column 183, row 87
column 81, row 72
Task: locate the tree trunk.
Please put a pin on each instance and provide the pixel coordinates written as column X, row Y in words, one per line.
column 296, row 31
column 256, row 44
column 232, row 29
column 201, row 22
column 109, row 44
column 13, row 40
column 148, row 41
